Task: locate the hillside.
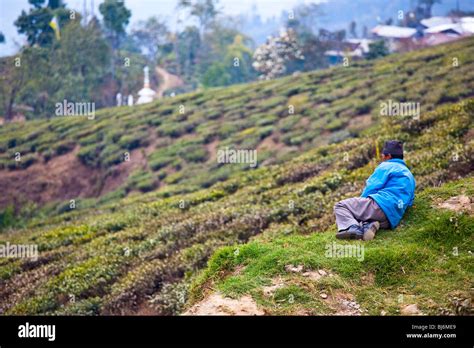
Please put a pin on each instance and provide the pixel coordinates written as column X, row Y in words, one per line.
column 139, row 254
column 424, row 267
column 172, row 143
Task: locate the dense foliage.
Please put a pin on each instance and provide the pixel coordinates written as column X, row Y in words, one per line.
column 283, row 118
column 140, row 253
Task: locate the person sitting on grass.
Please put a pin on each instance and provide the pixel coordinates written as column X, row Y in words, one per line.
column 387, row 194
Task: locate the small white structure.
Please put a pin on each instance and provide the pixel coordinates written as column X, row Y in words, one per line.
column 130, row 100
column 118, row 97
column 146, row 94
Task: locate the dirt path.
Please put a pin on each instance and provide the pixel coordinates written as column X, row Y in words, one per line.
column 168, row 81
column 216, row 304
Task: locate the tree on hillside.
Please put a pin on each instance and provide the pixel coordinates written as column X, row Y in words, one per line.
column 187, row 47
column 151, row 35
column 312, row 49
column 24, row 76
column 353, row 29
column 304, row 24
column 303, row 18
column 215, row 44
column 235, row 67
column 116, row 18
column 271, row 58
column 365, row 32
column 75, row 69
column 15, row 73
column 82, row 61
column 208, row 57
column 427, row 6
column 203, row 10
column 377, row 49
column 336, row 36
column 35, row 23
column 190, row 47
column 239, row 59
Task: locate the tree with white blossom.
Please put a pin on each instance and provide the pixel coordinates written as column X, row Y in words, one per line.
column 270, row 59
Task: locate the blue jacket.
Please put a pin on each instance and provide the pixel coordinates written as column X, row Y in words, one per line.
column 392, row 187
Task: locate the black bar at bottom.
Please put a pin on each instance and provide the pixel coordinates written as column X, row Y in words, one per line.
column 452, row 331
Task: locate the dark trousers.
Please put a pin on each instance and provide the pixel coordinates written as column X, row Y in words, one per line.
column 356, row 211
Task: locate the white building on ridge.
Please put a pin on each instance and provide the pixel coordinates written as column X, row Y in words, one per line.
column 146, row 94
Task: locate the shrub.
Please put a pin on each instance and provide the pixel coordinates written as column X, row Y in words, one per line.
column 195, row 154
column 114, row 136
column 132, row 141
column 141, row 180
column 11, row 143
column 174, row 130
column 339, row 136
column 265, row 120
column 171, row 299
column 286, row 124
column 363, row 108
column 7, row 217
column 112, row 155
column 93, row 138
column 269, row 103
column 264, row 132
column 335, row 124
column 299, row 102
column 28, row 160
column 89, row 155
column 156, row 163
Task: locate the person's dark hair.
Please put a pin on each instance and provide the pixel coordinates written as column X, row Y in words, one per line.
column 397, row 156
column 394, row 148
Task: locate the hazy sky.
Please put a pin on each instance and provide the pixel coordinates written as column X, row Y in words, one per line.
column 141, row 9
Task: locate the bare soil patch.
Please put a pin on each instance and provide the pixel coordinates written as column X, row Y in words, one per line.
column 216, row 304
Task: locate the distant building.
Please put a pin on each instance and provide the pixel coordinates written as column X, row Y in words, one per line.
column 397, row 38
column 431, row 31
column 393, row 32
column 361, row 46
column 447, row 29
column 439, row 30
column 353, row 48
column 436, row 39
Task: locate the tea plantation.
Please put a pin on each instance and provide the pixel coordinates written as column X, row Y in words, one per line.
column 140, row 248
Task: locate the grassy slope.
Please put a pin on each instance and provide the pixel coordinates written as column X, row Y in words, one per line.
column 426, row 261
column 180, row 146
column 116, row 256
